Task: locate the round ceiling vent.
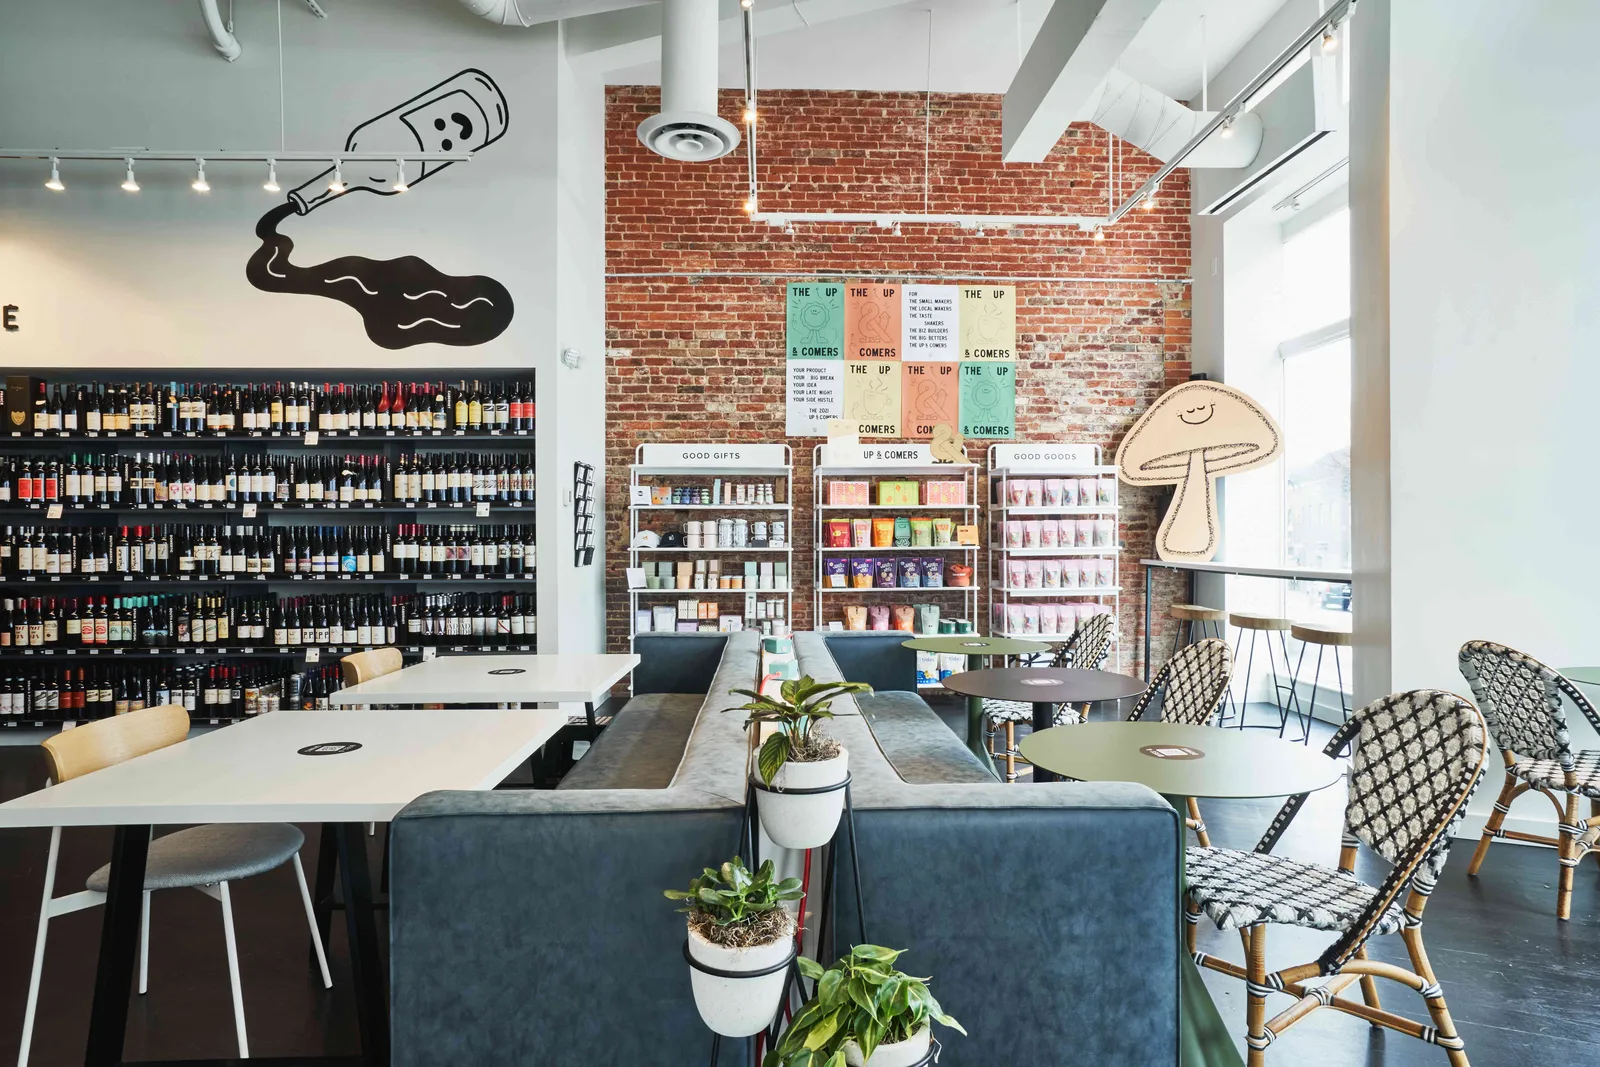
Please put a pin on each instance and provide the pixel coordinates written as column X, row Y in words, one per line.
column 689, row 135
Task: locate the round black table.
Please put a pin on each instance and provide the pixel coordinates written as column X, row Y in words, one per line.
column 1044, row 688
column 976, row 645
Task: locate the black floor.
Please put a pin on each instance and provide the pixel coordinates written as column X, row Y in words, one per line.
column 1521, row 985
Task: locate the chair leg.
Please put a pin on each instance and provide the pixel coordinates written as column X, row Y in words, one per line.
column 1256, row 1037
column 38, row 947
column 1011, row 752
column 144, row 944
column 233, row 969
column 1198, row 824
column 1502, row 807
column 1369, row 985
column 311, row 919
column 1191, row 924
column 1447, row 1038
column 1568, row 858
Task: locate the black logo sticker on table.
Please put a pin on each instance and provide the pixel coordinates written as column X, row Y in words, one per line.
column 509, row 670
column 1172, row 752
column 330, row 748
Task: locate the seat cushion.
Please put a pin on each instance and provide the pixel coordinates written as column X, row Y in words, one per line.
column 1239, row 889
column 1022, row 711
column 202, row 855
column 643, row 745
column 1548, row 773
column 919, row 746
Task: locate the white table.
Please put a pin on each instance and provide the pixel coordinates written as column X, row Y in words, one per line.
column 496, row 679
column 273, row 769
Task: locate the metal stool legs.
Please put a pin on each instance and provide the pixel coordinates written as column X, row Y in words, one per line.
column 1283, row 694
column 1316, row 678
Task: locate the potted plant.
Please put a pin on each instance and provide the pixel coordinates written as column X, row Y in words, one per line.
column 864, row 1013
column 737, row 923
column 803, row 769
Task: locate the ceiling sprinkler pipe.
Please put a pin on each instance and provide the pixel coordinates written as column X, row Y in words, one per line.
column 504, row 12
column 688, row 126
column 221, row 33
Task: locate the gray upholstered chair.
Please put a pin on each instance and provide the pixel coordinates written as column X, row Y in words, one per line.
column 1088, row 648
column 1416, row 759
column 1191, row 686
column 1521, row 699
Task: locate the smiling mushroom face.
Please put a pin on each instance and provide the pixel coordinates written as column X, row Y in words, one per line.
column 1189, row 438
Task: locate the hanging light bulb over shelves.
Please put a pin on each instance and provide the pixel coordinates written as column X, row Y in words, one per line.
column 400, row 184
column 200, row 185
column 128, row 183
column 271, row 184
column 54, row 184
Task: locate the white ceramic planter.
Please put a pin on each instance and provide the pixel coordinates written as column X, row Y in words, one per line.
column 738, row 1007
column 896, row 1054
column 804, row 820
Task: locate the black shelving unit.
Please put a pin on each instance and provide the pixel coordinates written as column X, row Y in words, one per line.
column 387, row 445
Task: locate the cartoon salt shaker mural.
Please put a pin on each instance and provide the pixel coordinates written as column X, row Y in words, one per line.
column 405, row 301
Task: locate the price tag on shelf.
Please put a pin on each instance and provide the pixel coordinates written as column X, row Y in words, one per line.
column 313, row 655
column 54, row 512
column 483, row 509
column 248, row 511
column 311, row 437
column 429, row 653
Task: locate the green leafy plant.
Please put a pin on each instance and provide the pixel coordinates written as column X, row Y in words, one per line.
column 732, row 907
column 861, row 998
column 801, row 704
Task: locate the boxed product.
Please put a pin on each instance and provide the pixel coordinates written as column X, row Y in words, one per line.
column 899, row 494
column 848, row 493
column 944, row 492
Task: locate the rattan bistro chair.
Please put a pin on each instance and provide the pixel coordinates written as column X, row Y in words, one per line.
column 1416, row 758
column 1521, row 699
column 1191, row 685
column 1088, row 648
column 205, row 858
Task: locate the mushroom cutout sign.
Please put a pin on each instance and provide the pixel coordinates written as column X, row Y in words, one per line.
column 1189, row 438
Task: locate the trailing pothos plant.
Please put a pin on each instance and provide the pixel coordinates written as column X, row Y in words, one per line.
column 801, row 704
column 729, row 906
column 861, row 998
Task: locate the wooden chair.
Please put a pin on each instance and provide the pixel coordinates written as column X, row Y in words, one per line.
column 1416, row 759
column 1088, row 648
column 361, row 667
column 1191, row 685
column 1521, row 698
column 205, row 858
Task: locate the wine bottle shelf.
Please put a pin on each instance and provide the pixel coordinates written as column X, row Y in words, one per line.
column 123, row 581
column 324, row 653
column 317, row 439
column 452, row 508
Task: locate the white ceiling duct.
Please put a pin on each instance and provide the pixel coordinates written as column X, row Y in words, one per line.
column 504, row 12
column 221, row 32
column 688, row 126
column 1160, row 125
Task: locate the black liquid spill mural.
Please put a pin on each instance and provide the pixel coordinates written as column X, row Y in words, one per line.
column 405, row 301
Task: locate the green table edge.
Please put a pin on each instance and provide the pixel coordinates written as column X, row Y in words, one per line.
column 1581, row 675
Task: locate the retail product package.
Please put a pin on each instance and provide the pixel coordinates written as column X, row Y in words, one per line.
column 1035, row 574
column 959, row 574
column 1016, row 492
column 1030, row 533
column 1085, row 492
column 1069, row 573
column 910, row 572
column 1016, row 573
column 1035, row 492
column 878, row 616
column 766, row 577
column 927, row 668
column 1030, row 619
column 860, row 533
column 927, row 618
column 1088, row 572
column 943, row 532
column 899, row 494
column 903, row 617
column 659, row 494
column 902, row 532
column 1013, row 533
column 848, row 493
column 921, row 533
column 835, row 572
column 950, row 664
column 883, row 573
column 1052, row 492
column 1083, row 533
column 1051, row 574
column 1049, row 531
column 861, row 572
column 641, row 621
column 1106, row 492
column 1105, row 573
column 1047, row 618
column 932, row 574
column 855, row 616
column 944, row 492
column 836, row 533
column 882, row 533
column 664, row 617
column 1105, row 533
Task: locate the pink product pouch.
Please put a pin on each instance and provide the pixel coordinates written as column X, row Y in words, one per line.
column 1013, row 618
column 1035, row 574
column 1013, row 533
column 1016, row 492
column 1047, row 618
column 1049, row 530
column 1052, row 492
column 1084, row 497
column 861, row 533
column 1052, row 574
column 1069, row 573
column 878, row 616
column 1088, row 569
column 1083, row 533
column 1035, row 493
column 1105, row 573
column 1107, row 492
column 1105, row 532
column 1030, row 533
column 1016, row 573
column 1030, row 619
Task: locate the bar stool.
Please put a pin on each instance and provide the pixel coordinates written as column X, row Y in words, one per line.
column 1202, row 622
column 1324, row 637
column 1258, row 624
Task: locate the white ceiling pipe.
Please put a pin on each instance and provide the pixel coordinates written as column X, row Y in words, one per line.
column 688, row 126
column 1154, row 122
column 504, row 12
column 221, row 33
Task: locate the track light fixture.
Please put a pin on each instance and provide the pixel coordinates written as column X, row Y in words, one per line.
column 1149, row 202
column 1099, row 234
column 1227, row 127
column 200, row 185
column 54, row 184
column 750, row 206
column 337, row 185
column 128, row 183
column 400, row 185
column 749, row 116
column 1330, row 38
column 271, row 184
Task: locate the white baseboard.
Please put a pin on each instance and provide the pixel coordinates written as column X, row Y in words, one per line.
column 1471, row 828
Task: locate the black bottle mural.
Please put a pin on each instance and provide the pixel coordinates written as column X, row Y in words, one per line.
column 405, row 301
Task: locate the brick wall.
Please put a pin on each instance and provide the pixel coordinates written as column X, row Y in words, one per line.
column 695, row 293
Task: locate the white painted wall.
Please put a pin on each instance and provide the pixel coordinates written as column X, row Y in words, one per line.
column 1493, row 259
column 108, row 278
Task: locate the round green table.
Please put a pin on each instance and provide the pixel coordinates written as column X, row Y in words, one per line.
column 1180, row 761
column 1582, row 675
column 1044, row 688
column 976, row 645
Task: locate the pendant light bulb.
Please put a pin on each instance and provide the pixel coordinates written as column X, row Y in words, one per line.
column 128, row 183
column 337, row 185
column 400, row 185
column 200, row 185
column 271, row 184
column 749, row 116
column 1099, row 234
column 750, row 206
column 1149, row 203
column 54, row 184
